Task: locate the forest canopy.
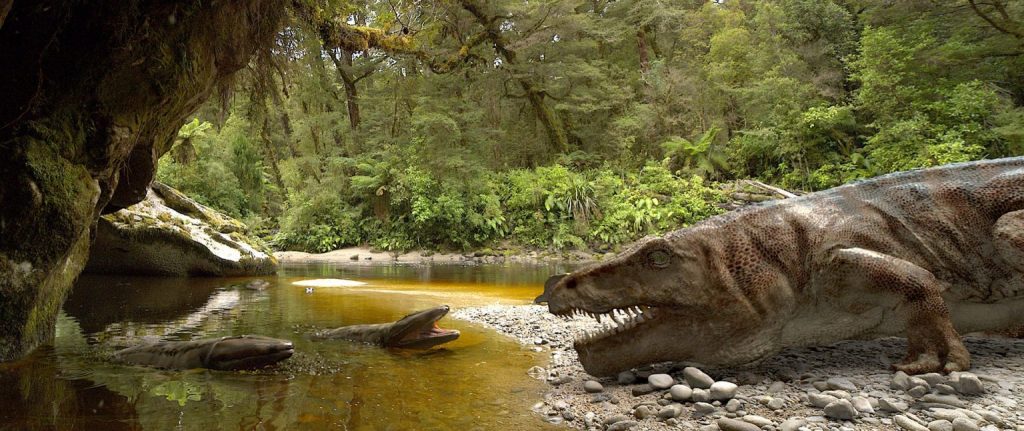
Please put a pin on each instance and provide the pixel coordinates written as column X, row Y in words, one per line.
column 467, row 124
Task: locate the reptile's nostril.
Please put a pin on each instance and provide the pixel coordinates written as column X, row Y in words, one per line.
column 570, row 284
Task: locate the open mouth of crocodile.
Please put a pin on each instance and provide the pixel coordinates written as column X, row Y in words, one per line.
column 613, row 323
column 425, row 332
column 432, row 332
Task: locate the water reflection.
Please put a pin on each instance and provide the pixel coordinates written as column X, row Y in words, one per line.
column 477, row 382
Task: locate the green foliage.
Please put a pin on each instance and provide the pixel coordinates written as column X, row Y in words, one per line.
column 452, row 147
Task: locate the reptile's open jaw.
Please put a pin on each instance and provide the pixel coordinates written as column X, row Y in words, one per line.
column 613, row 322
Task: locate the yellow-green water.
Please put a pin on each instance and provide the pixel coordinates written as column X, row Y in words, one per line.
column 476, row 382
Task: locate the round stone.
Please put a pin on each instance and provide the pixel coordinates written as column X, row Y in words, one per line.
column 670, row 411
column 680, row 392
column 760, row 421
column 643, row 412
column 940, row 425
column 722, row 391
column 592, row 386
column 660, row 381
column 703, row 408
column 626, row 378
column 776, row 404
column 964, row 424
column 733, row 406
column 696, row 378
column 908, row 423
column 701, row 396
column 841, row 409
column 839, row 383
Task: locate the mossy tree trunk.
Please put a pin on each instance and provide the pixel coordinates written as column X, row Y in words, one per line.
column 93, row 94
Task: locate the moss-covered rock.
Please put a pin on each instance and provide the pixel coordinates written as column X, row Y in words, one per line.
column 93, row 93
column 169, row 234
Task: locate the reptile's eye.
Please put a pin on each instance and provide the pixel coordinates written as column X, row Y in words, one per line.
column 659, row 258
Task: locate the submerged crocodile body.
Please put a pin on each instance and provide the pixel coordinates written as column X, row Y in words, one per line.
column 418, row 330
column 922, row 254
column 225, row 353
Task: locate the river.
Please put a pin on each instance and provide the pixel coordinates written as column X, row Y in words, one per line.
column 477, row 382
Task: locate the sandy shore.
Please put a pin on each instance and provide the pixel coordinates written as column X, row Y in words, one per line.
column 366, row 256
column 778, row 394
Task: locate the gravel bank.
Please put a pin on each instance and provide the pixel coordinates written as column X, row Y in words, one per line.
column 366, row 256
column 844, row 386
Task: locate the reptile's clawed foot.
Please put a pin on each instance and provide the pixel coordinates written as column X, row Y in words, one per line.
column 955, row 357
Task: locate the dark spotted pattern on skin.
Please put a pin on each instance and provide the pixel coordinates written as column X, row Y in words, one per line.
column 920, row 253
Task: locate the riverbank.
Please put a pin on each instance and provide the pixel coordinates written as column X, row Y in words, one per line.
column 845, row 386
column 368, row 256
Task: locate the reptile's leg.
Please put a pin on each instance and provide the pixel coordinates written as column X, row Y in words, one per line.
column 1009, row 239
column 934, row 344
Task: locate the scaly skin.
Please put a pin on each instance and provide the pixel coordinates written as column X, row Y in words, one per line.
column 418, row 330
column 922, row 254
column 225, row 353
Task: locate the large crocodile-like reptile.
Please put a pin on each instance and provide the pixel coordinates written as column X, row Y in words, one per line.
column 923, row 253
column 225, row 353
column 418, row 330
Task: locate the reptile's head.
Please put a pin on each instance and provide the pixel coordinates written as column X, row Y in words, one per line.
column 657, row 303
column 246, row 352
column 419, row 330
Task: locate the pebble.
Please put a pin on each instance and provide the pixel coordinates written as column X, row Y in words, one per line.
column 703, row 408
column 701, row 396
column 626, row 378
column 940, row 425
column 733, row 406
column 962, row 424
column 970, row 384
column 893, row 405
column 909, row 424
column 660, row 381
column 592, row 386
column 726, row 424
column 643, row 412
column 932, row 378
column 777, row 387
column 917, row 391
column 696, row 378
column 622, row 426
column 841, row 409
column 776, row 404
column 900, row 381
column 680, row 392
column 670, row 411
column 949, row 400
column 839, row 383
column 639, row 390
column 614, row 419
column 792, row 424
column 820, row 400
column 760, row 421
column 862, row 405
column 722, row 391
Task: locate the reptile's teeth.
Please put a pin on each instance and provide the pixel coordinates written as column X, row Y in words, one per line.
column 598, row 318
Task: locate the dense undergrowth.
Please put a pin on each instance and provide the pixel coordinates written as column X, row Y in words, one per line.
column 564, row 125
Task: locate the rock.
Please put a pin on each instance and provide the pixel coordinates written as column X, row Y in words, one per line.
column 660, row 381
column 900, row 381
column 963, row 424
column 792, row 424
column 696, row 378
column 643, row 412
column 703, row 409
column 639, row 390
column 949, row 400
column 776, row 404
column 670, row 411
column 567, row 415
column 700, row 396
column 592, row 386
column 170, row 234
column 932, row 378
column 726, row 424
column 940, row 425
column 917, row 391
column 839, row 383
column 908, row 424
column 917, row 381
column 733, row 406
column 863, row 405
column 680, row 392
column 841, row 409
column 820, row 400
column 760, row 421
column 621, row 426
column 721, row 391
column 615, row 419
column 776, row 387
column 970, row 384
column 945, row 389
column 626, row 378
column 600, row 398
